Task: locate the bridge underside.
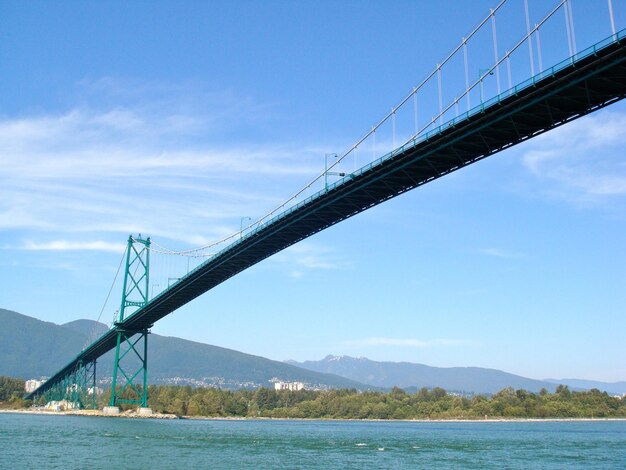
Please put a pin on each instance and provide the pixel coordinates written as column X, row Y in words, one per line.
column 574, row 91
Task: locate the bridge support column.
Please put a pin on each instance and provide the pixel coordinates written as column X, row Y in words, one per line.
column 89, row 391
column 77, row 388
column 130, row 367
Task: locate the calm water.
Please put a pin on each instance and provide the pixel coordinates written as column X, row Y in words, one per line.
column 35, row 441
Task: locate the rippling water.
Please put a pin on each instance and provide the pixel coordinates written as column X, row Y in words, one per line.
column 39, row 441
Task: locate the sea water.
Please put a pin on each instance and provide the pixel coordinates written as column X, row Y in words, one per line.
column 73, row 442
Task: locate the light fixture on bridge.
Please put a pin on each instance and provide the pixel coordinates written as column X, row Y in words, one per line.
column 241, row 226
column 482, row 73
column 332, row 173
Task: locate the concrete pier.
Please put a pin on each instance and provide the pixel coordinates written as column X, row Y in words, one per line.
column 145, row 411
column 110, row 411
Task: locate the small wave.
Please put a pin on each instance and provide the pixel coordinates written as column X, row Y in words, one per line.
column 381, row 449
column 360, row 444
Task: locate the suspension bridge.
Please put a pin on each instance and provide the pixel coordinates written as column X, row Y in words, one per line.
column 479, row 120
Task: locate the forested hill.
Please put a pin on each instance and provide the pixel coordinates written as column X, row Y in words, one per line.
column 31, row 348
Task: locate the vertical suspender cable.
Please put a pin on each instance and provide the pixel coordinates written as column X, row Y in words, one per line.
column 538, row 48
column 373, row 143
column 571, row 21
column 466, row 74
column 612, row 18
column 495, row 49
column 567, row 29
column 393, row 127
column 417, row 127
column 530, row 40
column 440, row 95
column 508, row 69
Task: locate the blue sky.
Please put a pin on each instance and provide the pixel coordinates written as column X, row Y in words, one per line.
column 176, row 119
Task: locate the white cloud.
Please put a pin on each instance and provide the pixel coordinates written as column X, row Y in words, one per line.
column 308, row 256
column 404, row 342
column 86, row 144
column 151, row 162
column 64, row 245
column 585, row 158
column 499, row 253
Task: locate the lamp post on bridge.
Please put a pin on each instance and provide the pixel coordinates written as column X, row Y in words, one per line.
column 482, row 73
column 332, row 173
column 241, row 226
column 326, row 155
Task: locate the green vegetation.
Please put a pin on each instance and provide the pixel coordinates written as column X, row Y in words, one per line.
column 397, row 404
column 11, row 393
column 352, row 404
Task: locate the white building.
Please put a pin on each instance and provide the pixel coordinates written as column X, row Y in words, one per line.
column 62, row 405
column 32, row 385
column 293, row 386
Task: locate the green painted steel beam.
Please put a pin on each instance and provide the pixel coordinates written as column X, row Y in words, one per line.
column 134, row 295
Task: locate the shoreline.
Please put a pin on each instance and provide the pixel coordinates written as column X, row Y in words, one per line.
column 135, row 415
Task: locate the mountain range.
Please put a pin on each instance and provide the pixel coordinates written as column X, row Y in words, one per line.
column 410, row 376
column 31, row 348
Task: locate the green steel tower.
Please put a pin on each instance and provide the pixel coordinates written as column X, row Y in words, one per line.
column 131, row 359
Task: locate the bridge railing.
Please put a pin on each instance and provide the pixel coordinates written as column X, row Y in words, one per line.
column 416, row 140
column 560, row 45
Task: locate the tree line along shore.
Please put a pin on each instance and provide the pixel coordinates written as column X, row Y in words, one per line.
column 426, row 403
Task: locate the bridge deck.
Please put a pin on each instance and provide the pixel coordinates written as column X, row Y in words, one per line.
column 594, row 80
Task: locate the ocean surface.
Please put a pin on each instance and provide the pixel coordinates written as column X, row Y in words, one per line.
column 73, row 442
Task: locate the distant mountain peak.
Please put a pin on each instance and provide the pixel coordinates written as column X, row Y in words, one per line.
column 387, row 374
column 89, row 328
column 333, row 358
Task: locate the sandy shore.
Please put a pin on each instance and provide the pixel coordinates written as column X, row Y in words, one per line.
column 135, row 414
column 124, row 414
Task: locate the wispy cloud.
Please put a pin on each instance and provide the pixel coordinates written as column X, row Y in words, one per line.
column 584, row 158
column 64, row 245
column 144, row 158
column 404, row 342
column 310, row 256
column 500, row 253
column 88, row 144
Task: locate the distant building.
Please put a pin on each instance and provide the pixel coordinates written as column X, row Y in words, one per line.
column 62, row 405
column 33, row 384
column 293, row 386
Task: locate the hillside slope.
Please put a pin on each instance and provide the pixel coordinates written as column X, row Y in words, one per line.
column 31, row 348
column 410, row 375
